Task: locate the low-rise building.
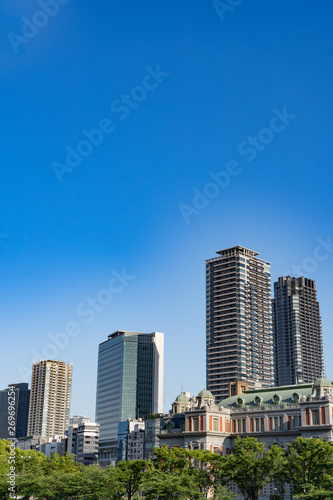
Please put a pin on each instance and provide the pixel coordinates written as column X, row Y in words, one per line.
column 83, row 437
column 131, row 440
column 56, row 444
column 87, row 443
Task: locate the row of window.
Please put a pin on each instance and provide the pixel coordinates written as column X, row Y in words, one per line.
column 258, row 424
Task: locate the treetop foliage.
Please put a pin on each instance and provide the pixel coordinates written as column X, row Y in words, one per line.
column 307, row 464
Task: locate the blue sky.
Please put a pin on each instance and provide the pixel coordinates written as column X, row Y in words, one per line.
column 198, row 89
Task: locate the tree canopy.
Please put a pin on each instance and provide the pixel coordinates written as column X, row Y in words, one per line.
column 177, row 473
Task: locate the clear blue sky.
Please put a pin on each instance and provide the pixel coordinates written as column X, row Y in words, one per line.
column 122, row 207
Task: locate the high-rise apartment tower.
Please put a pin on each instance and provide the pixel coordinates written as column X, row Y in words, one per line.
column 50, row 398
column 297, row 331
column 129, row 383
column 239, row 341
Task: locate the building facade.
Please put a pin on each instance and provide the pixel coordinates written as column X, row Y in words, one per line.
column 129, row 384
column 276, row 415
column 50, row 398
column 21, row 399
column 56, row 444
column 72, row 433
column 297, row 331
column 131, row 440
column 239, row 338
column 87, row 443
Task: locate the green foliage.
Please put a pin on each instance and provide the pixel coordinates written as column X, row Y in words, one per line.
column 165, row 485
column 223, row 493
column 309, row 465
column 130, row 475
column 176, row 473
column 316, row 493
column 94, row 483
column 250, row 466
column 278, row 476
column 173, row 460
column 206, row 470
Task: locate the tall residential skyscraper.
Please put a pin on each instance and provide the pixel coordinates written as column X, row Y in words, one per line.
column 239, row 341
column 21, row 398
column 129, row 383
column 297, row 331
column 50, row 398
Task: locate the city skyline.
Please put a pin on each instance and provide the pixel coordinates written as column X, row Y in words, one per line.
column 272, row 291
column 183, row 131
column 231, row 257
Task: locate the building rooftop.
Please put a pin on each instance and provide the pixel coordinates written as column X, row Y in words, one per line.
column 240, row 248
column 125, row 332
column 289, row 394
column 227, row 252
column 182, row 398
column 205, row 394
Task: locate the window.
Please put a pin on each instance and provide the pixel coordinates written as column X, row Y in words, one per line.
column 297, row 420
column 195, row 424
column 270, row 423
column 315, row 417
column 215, row 424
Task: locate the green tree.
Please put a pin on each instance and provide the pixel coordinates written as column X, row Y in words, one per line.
column 93, row 483
column 309, row 465
column 250, row 466
column 130, row 475
column 316, row 493
column 278, row 477
column 165, row 485
column 223, row 493
column 171, row 459
column 206, row 470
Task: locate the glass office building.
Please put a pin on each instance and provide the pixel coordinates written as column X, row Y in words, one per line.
column 297, row 331
column 239, row 339
column 129, row 383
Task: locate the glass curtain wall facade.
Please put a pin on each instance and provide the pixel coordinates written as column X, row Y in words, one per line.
column 239, row 339
column 129, row 379
column 297, row 331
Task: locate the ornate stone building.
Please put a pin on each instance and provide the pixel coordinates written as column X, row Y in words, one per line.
column 275, row 415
